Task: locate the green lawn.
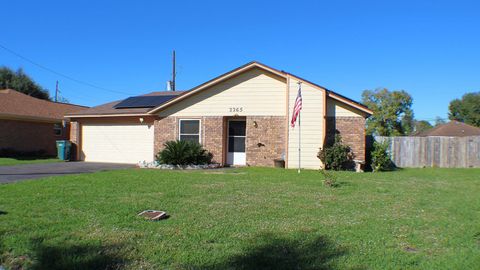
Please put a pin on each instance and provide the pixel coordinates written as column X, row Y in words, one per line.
column 252, row 218
column 27, row 160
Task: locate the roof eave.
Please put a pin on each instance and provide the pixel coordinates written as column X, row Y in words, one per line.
column 280, row 73
column 105, row 115
column 7, row 116
column 350, row 102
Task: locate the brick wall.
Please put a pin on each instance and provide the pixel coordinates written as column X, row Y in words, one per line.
column 265, row 140
column 264, row 143
column 164, row 131
column 75, row 139
column 27, row 136
column 213, row 137
column 352, row 130
column 212, row 129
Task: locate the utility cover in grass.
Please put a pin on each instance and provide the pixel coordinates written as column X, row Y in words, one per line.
column 154, row 214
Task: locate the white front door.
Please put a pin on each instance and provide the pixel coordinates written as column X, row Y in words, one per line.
column 236, row 142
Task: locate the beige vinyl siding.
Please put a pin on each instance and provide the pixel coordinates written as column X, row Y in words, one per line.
column 256, row 92
column 336, row 108
column 311, row 126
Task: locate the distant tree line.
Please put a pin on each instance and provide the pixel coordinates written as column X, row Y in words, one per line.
column 466, row 109
column 21, row 82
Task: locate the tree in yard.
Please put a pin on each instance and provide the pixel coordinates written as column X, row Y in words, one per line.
column 21, row 82
column 466, row 109
column 392, row 112
column 421, row 125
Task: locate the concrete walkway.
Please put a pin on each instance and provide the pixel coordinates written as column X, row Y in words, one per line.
column 9, row 174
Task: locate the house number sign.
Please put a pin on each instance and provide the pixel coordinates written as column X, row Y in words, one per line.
column 235, row 109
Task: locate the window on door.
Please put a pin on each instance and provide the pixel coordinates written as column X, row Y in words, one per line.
column 189, row 130
column 236, row 136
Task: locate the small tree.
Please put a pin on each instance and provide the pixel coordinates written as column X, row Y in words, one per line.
column 337, row 156
column 381, row 160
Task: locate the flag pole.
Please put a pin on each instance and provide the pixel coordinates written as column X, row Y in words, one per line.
column 299, row 143
column 299, row 135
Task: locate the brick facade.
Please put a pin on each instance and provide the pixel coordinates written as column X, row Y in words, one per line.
column 26, row 136
column 214, row 137
column 164, row 131
column 352, row 130
column 265, row 137
column 265, row 140
column 212, row 134
column 75, row 139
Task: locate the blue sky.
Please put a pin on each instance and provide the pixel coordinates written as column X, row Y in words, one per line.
column 428, row 48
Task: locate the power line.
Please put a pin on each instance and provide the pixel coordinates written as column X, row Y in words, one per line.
column 61, row 74
column 83, row 97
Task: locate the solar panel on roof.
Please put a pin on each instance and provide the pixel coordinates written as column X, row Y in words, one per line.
column 143, row 102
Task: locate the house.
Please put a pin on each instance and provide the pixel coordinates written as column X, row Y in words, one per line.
column 451, row 129
column 30, row 125
column 242, row 117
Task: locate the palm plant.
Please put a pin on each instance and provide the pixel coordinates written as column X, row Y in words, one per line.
column 184, row 153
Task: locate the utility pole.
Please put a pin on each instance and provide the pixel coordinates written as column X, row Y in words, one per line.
column 56, row 92
column 173, row 72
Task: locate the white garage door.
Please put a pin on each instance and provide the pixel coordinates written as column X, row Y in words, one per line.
column 117, row 143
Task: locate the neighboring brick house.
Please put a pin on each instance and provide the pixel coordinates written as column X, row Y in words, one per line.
column 242, row 117
column 32, row 125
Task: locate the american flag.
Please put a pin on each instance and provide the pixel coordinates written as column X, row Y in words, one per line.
column 297, row 107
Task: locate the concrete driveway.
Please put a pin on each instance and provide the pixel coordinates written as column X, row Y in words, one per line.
column 9, row 174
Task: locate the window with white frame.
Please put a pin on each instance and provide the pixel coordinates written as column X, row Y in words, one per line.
column 189, row 130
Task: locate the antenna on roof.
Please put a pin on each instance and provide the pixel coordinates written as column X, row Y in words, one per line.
column 173, row 72
column 56, row 92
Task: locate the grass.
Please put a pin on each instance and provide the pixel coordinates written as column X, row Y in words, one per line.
column 252, row 218
column 25, row 160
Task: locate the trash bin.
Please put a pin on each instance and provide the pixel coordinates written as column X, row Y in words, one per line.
column 63, row 149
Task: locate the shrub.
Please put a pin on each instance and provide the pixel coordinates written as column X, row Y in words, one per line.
column 337, row 156
column 381, row 160
column 184, row 153
column 329, row 179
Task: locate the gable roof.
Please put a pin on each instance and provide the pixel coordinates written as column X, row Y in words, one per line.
column 255, row 64
column 109, row 109
column 16, row 105
column 451, row 129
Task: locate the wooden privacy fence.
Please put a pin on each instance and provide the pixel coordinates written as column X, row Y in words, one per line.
column 444, row 152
